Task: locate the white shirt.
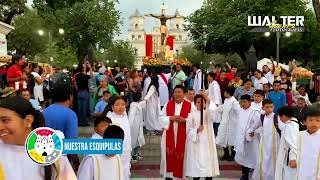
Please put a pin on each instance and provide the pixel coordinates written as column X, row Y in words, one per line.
column 94, row 166
column 38, row 88
column 270, row 77
column 308, row 156
column 258, row 83
column 17, row 165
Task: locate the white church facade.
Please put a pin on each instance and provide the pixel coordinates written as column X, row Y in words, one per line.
column 137, row 34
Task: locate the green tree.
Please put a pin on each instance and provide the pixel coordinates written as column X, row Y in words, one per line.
column 88, row 22
column 196, row 57
column 25, row 38
column 229, row 33
column 9, row 9
column 59, row 57
column 120, row 51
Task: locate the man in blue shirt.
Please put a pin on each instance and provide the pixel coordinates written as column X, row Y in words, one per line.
column 277, row 97
column 101, row 105
column 59, row 116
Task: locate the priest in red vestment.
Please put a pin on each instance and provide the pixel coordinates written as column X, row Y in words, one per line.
column 173, row 142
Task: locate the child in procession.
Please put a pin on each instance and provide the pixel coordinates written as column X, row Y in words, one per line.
column 119, row 117
column 100, row 125
column 246, row 147
column 17, row 119
column 202, row 161
column 308, row 163
column 228, row 124
column 287, row 154
column 258, row 97
column 136, row 125
column 103, row 166
column 269, row 142
column 102, row 104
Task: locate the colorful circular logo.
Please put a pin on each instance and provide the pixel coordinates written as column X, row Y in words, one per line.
column 44, row 146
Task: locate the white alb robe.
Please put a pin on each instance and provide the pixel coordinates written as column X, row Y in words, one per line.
column 228, row 125
column 136, row 123
column 165, row 122
column 15, row 164
column 246, row 148
column 202, row 154
column 268, row 148
column 151, row 116
column 96, row 136
column 123, row 122
column 99, row 167
column 289, row 139
column 257, row 106
column 197, row 81
column 308, row 156
column 214, row 93
column 163, row 89
column 146, row 84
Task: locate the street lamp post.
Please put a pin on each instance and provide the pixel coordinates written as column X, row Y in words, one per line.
column 278, row 44
column 287, row 34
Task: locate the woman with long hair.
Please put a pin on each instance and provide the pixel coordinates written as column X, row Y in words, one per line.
column 17, row 119
column 38, row 81
column 151, row 116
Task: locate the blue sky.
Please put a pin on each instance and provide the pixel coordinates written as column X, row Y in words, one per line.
column 127, row 7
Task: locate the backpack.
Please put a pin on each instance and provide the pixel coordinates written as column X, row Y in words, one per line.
column 275, row 122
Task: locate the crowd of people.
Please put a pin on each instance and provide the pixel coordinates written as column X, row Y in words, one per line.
column 265, row 120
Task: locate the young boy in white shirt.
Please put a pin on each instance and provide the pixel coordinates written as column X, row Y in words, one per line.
column 246, row 147
column 287, row 154
column 308, row 163
column 269, row 142
column 100, row 125
column 103, row 166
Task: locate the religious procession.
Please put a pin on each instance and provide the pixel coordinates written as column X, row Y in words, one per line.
column 193, row 99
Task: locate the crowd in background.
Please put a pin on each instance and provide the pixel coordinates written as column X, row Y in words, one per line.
column 93, row 90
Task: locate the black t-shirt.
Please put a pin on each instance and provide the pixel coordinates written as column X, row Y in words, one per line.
column 286, row 85
column 82, row 81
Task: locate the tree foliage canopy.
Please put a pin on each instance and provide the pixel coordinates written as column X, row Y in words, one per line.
column 229, row 33
column 85, row 22
column 10, row 9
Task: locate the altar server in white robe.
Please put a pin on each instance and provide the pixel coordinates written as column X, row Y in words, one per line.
column 228, row 125
column 246, row 147
column 151, row 118
column 173, row 142
column 258, row 97
column 202, row 161
column 103, row 166
column 17, row 119
column 198, row 79
column 214, row 90
column 163, row 88
column 119, row 117
column 100, row 125
column 308, row 164
column 269, row 142
column 214, row 93
column 136, row 124
column 286, row 168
